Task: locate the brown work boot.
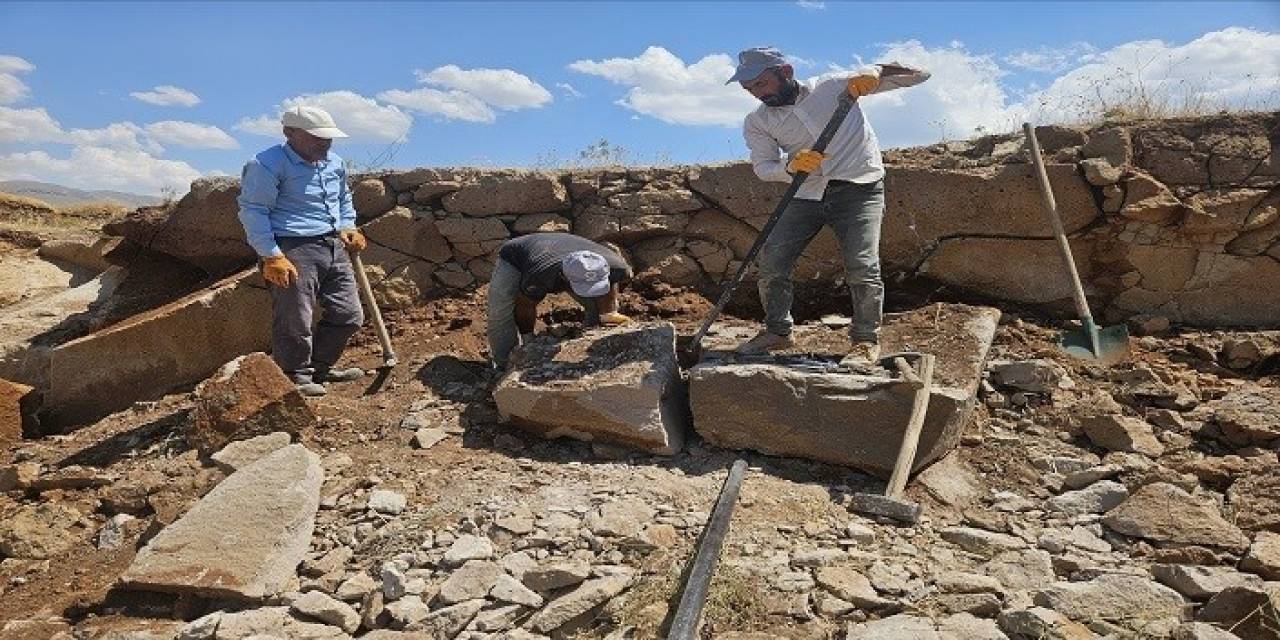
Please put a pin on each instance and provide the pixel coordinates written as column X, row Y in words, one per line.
column 764, row 342
column 863, row 350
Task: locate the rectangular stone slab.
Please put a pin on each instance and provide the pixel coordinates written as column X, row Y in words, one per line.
column 617, row 386
column 151, row 353
column 243, row 540
column 776, row 405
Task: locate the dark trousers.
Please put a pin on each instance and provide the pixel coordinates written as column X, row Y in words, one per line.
column 325, row 276
column 854, row 212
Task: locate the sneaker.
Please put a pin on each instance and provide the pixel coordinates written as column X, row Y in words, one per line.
column 764, row 342
column 864, row 350
column 311, row 389
column 338, row 375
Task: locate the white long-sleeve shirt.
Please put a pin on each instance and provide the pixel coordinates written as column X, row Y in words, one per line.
column 854, row 152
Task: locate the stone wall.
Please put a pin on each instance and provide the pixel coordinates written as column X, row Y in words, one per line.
column 1179, row 218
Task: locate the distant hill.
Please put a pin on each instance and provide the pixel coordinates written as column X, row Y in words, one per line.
column 60, row 196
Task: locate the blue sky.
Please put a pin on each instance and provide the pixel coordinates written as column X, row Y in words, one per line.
column 144, row 96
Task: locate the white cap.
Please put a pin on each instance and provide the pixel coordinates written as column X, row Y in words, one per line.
column 313, row 120
column 587, row 273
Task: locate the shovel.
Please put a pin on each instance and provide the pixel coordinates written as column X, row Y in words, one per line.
column 1105, row 345
column 845, row 103
column 366, row 291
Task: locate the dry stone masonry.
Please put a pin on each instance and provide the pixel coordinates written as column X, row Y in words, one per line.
column 1177, row 218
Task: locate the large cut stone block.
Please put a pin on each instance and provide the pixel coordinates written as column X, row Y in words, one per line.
column 620, row 386
column 799, row 403
column 26, row 327
column 244, row 539
column 18, row 403
column 202, row 229
column 154, row 352
column 249, row 396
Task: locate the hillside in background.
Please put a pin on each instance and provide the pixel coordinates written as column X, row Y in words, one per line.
column 60, row 196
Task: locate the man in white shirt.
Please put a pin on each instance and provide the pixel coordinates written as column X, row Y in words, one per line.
column 845, row 187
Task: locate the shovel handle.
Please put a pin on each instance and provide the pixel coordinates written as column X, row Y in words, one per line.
column 366, row 291
column 1051, row 207
column 844, row 104
column 911, row 438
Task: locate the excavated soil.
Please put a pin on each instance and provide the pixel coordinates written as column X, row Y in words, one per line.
column 440, row 345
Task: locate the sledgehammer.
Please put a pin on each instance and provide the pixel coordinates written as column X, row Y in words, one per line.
column 892, row 504
column 366, row 292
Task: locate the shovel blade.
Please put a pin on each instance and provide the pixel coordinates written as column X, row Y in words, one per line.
column 1104, row 345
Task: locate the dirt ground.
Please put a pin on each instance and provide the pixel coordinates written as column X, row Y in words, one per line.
column 441, row 348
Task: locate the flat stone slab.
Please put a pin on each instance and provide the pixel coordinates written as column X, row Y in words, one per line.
column 617, row 386
column 243, row 540
column 149, row 354
column 802, row 402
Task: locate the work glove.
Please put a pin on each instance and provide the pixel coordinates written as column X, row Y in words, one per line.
column 805, row 161
column 353, row 240
column 279, row 271
column 613, row 319
column 863, row 84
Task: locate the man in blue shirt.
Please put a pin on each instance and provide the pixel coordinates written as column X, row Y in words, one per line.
column 297, row 215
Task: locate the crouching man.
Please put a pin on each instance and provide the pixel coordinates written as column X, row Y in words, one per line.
column 532, row 266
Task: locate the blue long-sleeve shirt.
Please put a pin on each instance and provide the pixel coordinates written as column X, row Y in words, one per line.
column 283, row 195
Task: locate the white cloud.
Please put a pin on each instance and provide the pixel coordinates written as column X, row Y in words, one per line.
column 963, row 97
column 1205, row 74
column 190, row 135
column 11, row 88
column 361, row 118
column 1051, row 60
column 812, row 5
column 124, row 136
column 101, row 168
column 14, row 64
column 167, row 96
column 28, row 125
column 501, row 88
column 568, row 90
column 260, row 125
column 453, row 105
column 664, row 87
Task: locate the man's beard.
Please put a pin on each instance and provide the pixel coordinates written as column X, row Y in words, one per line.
column 785, row 96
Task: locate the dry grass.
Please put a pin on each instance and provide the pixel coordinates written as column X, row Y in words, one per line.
column 16, row 205
column 31, row 215
column 735, row 600
column 95, row 211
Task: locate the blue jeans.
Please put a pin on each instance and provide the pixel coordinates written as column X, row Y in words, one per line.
column 854, row 212
column 326, row 277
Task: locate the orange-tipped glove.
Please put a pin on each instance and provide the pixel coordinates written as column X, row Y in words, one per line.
column 863, row 84
column 353, row 240
column 613, row 319
column 279, row 271
column 806, row 161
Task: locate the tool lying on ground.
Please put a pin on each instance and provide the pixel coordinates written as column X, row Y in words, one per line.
column 1091, row 342
column 843, row 106
column 684, row 626
column 892, row 504
column 366, row 292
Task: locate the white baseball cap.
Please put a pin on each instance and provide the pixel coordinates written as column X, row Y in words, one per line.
column 313, row 120
column 587, row 273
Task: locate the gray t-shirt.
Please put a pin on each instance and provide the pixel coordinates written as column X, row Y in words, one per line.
column 538, row 257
